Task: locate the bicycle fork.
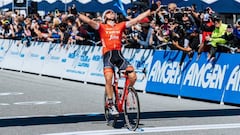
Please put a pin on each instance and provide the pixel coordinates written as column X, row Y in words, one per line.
column 120, row 96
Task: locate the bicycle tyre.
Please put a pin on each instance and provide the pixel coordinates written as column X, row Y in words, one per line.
column 132, row 109
column 110, row 119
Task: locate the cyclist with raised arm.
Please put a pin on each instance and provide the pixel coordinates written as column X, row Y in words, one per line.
column 111, row 35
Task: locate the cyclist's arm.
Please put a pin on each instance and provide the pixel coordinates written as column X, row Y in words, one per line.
column 138, row 18
column 153, row 9
column 90, row 22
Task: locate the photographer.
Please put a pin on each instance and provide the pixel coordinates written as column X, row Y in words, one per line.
column 144, row 38
column 177, row 37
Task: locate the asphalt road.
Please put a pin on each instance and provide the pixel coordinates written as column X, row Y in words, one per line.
column 38, row 105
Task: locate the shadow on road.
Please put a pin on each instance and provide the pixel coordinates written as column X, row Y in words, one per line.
column 45, row 120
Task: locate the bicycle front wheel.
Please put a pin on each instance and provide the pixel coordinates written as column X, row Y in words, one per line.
column 132, row 109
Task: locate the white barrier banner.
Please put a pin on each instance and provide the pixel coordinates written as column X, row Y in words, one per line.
column 35, row 56
column 14, row 56
column 4, row 47
column 83, row 63
column 95, row 73
column 55, row 60
column 77, row 63
column 141, row 60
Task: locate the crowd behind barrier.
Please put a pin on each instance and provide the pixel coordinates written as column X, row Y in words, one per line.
column 171, row 27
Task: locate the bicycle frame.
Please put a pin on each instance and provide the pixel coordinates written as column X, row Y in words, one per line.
column 126, row 101
column 121, row 99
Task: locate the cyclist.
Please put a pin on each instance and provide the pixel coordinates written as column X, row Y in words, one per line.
column 111, row 34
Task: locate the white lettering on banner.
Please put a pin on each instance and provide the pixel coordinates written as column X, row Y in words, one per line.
column 206, row 76
column 234, row 79
column 168, row 72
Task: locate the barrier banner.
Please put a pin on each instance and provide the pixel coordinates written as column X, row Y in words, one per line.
column 55, row 60
column 141, row 60
column 14, row 55
column 4, row 47
column 34, row 58
column 216, row 80
column 77, row 64
column 204, row 79
column 165, row 74
column 95, row 72
column 232, row 83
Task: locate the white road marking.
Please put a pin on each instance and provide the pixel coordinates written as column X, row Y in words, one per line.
column 4, row 104
column 37, row 103
column 153, row 130
column 10, row 93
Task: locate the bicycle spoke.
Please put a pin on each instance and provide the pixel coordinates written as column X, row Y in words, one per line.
column 132, row 109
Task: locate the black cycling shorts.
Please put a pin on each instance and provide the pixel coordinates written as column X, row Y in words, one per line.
column 115, row 58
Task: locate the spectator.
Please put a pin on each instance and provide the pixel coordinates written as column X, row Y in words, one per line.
column 172, row 9
column 7, row 29
column 193, row 38
column 192, row 41
column 175, row 13
column 177, row 37
column 207, row 27
column 74, row 9
column 17, row 28
column 144, row 38
column 132, row 33
column 160, row 35
column 229, row 37
column 236, row 33
column 216, row 37
column 55, row 35
column 129, row 14
column 27, row 36
column 161, row 15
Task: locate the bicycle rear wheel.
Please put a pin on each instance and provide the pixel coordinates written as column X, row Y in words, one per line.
column 132, row 109
column 111, row 119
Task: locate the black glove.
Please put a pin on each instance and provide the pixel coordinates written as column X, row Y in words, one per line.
column 154, row 7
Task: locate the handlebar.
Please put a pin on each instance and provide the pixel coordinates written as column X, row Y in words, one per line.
column 124, row 73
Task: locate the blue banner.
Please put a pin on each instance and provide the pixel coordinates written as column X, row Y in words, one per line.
column 218, row 80
column 165, row 76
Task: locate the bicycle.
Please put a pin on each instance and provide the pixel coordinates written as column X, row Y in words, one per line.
column 126, row 101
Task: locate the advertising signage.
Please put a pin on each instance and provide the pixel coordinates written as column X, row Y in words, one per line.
column 20, row 3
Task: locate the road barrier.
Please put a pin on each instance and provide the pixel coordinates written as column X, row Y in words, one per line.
column 200, row 79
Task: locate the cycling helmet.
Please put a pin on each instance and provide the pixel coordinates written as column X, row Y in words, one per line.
column 104, row 15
